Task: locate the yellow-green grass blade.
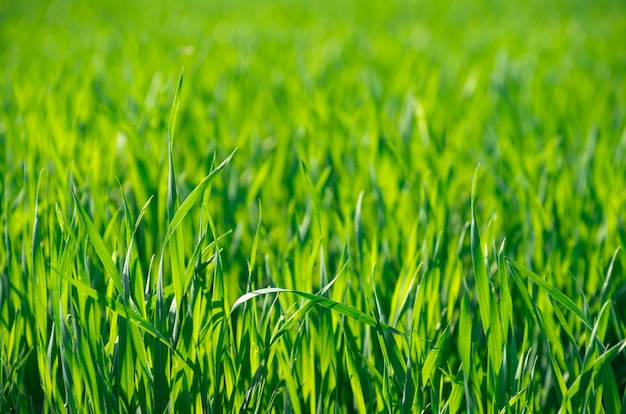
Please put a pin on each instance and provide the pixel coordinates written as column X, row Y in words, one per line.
column 606, row 287
column 285, row 361
column 171, row 128
column 465, row 334
column 428, row 369
column 506, row 299
column 255, row 243
column 456, row 396
column 391, row 353
column 354, row 368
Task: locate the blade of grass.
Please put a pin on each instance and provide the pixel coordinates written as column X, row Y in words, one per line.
column 552, row 291
column 486, row 301
column 322, row 301
column 175, row 239
column 430, row 364
column 103, row 252
column 195, row 196
column 478, row 260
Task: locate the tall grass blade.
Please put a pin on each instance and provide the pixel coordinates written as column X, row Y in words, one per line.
column 486, row 302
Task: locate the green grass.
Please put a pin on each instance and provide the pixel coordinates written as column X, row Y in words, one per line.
column 339, row 206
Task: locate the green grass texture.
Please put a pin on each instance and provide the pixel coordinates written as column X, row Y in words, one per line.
column 313, row 207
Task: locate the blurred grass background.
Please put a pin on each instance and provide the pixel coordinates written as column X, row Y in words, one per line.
column 385, row 95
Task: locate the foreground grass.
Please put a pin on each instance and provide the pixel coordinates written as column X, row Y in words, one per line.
column 301, row 226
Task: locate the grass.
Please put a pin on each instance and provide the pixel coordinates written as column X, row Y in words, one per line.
column 337, row 207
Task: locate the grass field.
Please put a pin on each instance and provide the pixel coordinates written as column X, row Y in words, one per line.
column 338, row 206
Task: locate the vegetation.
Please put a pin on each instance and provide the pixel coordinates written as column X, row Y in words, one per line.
column 338, row 206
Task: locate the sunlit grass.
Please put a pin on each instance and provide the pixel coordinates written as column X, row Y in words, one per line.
column 338, row 206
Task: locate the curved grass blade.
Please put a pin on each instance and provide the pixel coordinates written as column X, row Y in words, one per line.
column 297, row 315
column 322, row 301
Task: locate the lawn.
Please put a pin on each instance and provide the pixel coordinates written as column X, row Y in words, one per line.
column 328, row 206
